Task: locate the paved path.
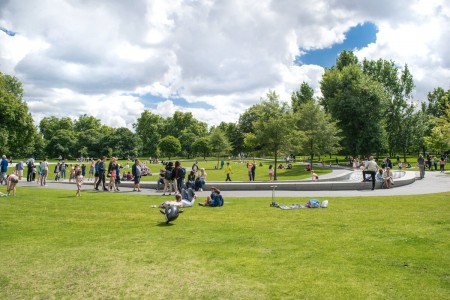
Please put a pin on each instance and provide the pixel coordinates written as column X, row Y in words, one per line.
column 434, row 182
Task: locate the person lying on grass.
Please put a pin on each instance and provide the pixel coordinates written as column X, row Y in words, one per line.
column 185, row 199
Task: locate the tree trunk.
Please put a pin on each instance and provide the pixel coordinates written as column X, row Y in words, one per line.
column 275, row 167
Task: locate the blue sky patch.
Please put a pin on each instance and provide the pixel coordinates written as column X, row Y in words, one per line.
column 356, row 38
column 152, row 101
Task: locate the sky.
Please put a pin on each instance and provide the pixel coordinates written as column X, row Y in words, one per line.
column 113, row 59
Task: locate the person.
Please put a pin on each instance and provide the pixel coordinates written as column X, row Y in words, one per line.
column 253, row 171
column 202, row 179
column 160, row 179
column 96, row 172
column 168, row 179
column 91, row 169
column 83, row 170
column 177, row 202
column 191, row 180
column 442, row 164
column 101, row 174
column 11, row 183
column 228, row 171
column 271, row 172
column 187, row 197
column 112, row 173
column 388, row 178
column 371, row 168
column 195, row 167
column 308, row 168
column 380, row 176
column 136, row 171
column 30, row 164
column 57, row 171
column 20, row 167
column 421, row 166
column 249, row 169
column 44, row 172
column 79, row 178
column 178, row 176
column 222, row 163
column 315, row 177
column 213, row 200
column 62, row 170
column 3, row 169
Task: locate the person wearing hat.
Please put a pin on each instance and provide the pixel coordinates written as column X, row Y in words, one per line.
column 213, row 200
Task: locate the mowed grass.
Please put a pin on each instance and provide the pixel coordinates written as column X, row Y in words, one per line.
column 115, row 246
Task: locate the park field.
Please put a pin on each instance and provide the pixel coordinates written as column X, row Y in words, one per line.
column 116, row 246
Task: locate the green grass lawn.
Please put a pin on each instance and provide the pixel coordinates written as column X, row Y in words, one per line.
column 115, row 246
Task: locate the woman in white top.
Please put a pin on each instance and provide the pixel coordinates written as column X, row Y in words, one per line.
column 202, row 177
column 388, row 178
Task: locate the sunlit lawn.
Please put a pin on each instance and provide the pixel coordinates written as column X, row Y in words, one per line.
column 115, row 246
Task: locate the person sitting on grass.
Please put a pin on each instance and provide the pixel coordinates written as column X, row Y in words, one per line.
column 11, row 182
column 213, row 200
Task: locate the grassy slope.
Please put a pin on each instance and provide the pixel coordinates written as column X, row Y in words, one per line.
column 54, row 245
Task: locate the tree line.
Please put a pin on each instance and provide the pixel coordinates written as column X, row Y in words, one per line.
column 366, row 108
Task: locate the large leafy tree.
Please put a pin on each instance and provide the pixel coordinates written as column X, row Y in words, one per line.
column 169, row 146
column 438, row 101
column 358, row 103
column 234, row 135
column 85, row 122
column 123, row 143
column 274, row 130
column 182, row 122
column 186, row 141
column 321, row 134
column 304, row 95
column 17, row 131
column 62, row 143
column 398, row 86
column 219, row 143
column 21, row 136
column 201, row 146
column 149, row 128
column 50, row 125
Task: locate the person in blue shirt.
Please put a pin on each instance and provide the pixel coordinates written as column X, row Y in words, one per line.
column 3, row 169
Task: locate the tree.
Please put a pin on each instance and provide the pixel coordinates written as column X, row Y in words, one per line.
column 186, row 141
column 184, row 122
column 50, row 125
column 274, row 130
column 91, row 140
column 219, row 143
column 304, row 95
column 438, row 101
column 17, row 131
column 122, row 143
column 235, row 135
column 358, row 103
column 169, row 146
column 62, row 143
column 86, row 122
column 439, row 139
column 201, row 145
column 321, row 134
column 398, row 86
column 247, row 119
column 149, row 128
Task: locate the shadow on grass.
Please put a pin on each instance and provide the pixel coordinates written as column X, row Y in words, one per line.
column 163, row 224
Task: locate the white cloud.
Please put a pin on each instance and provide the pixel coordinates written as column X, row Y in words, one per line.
column 77, row 57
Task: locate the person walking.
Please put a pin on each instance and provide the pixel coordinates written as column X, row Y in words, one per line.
column 228, row 171
column 101, row 173
column 421, row 166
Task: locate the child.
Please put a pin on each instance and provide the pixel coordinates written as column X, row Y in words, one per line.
column 11, row 182
column 79, row 181
column 271, row 173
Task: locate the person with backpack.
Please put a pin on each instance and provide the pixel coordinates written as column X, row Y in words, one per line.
column 179, row 175
column 168, row 179
column 101, row 174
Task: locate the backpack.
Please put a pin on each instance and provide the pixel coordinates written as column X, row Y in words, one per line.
column 168, row 175
column 219, row 200
column 181, row 172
